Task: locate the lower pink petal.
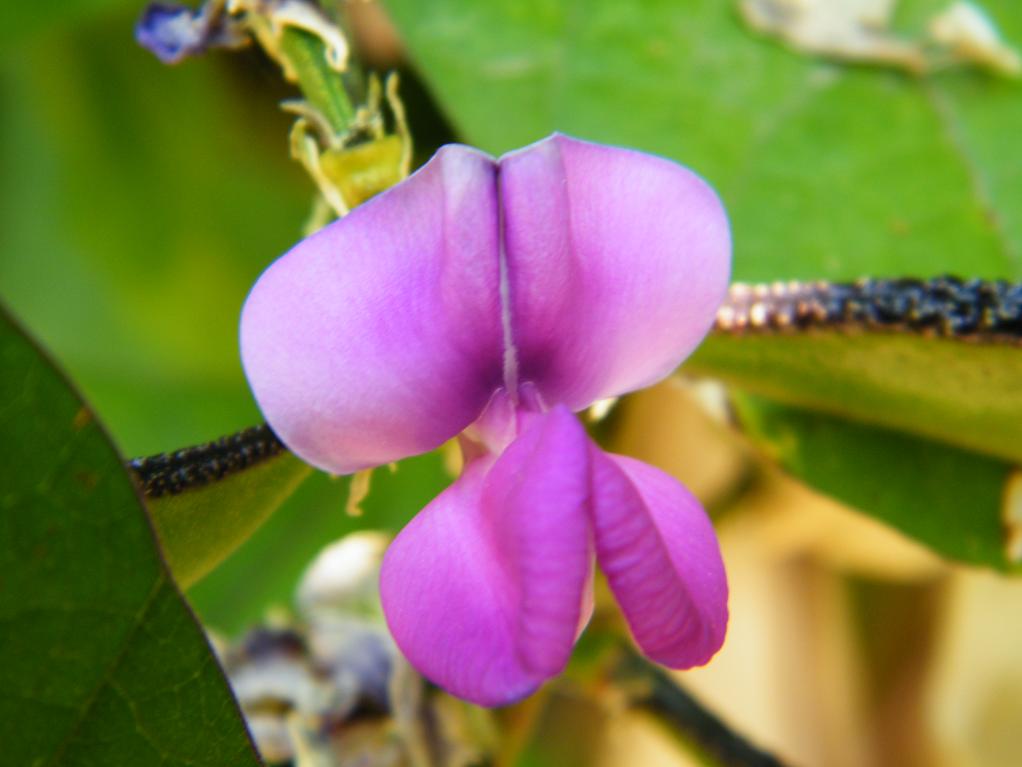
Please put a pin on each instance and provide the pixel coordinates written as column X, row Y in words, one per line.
column 662, row 560
column 484, row 589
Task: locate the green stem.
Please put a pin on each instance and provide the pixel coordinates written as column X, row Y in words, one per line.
column 322, row 86
column 714, row 742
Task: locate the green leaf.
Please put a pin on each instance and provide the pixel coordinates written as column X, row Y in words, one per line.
column 202, row 526
column 828, row 171
column 947, row 498
column 101, row 662
column 965, row 394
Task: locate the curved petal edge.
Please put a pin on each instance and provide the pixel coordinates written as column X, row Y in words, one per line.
column 485, row 589
column 380, row 336
column 617, row 262
column 662, row 560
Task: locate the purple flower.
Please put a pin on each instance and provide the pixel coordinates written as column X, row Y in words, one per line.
column 173, row 32
column 491, row 299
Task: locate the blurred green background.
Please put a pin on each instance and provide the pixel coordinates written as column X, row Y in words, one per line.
column 139, row 203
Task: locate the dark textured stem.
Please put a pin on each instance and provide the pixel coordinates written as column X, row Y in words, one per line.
column 947, row 307
column 681, row 712
column 190, row 467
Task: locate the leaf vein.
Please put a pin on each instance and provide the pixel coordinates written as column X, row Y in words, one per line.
column 107, row 680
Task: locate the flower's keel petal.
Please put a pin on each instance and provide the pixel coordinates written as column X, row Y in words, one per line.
column 484, row 589
column 617, row 262
column 380, row 336
column 661, row 557
column 448, row 603
column 536, row 498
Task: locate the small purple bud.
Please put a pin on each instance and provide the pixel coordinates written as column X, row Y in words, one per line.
column 174, row 32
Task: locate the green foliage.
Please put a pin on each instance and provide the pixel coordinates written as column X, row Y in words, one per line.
column 102, row 662
column 138, row 204
column 947, row 498
column 200, row 527
column 965, row 394
column 828, row 171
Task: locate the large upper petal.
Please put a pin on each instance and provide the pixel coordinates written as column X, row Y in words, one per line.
column 662, row 560
column 617, row 261
column 485, row 589
column 380, row 336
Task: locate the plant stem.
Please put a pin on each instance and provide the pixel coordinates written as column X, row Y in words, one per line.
column 947, row 307
column 322, row 86
column 716, row 742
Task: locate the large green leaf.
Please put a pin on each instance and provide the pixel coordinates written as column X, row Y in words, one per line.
column 947, row 498
column 828, row 171
column 962, row 393
column 100, row 661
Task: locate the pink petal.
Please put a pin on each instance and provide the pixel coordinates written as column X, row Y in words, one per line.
column 484, row 590
column 380, row 336
column 661, row 557
column 617, row 262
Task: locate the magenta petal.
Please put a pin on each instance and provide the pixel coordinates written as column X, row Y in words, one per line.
column 485, row 588
column 380, row 336
column 661, row 557
column 617, row 262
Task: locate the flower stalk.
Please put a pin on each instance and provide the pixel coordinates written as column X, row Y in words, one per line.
column 343, row 135
column 305, row 54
